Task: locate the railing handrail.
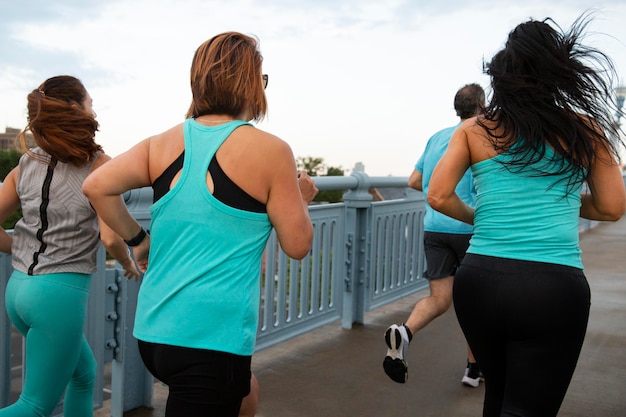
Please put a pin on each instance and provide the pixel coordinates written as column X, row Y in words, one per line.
column 365, row 254
column 356, row 180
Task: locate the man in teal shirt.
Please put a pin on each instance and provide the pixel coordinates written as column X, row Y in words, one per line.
column 445, row 243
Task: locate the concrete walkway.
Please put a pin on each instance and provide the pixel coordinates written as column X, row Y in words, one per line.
column 334, row 372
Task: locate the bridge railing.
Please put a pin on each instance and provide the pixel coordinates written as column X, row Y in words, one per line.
column 365, row 254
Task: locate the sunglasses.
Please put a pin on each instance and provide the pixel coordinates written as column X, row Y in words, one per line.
column 265, row 80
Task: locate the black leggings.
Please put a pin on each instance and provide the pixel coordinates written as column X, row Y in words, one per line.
column 202, row 383
column 525, row 323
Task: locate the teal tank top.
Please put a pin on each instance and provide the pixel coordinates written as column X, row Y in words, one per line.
column 202, row 286
column 525, row 215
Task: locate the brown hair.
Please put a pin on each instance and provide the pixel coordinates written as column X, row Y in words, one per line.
column 226, row 78
column 469, row 101
column 59, row 123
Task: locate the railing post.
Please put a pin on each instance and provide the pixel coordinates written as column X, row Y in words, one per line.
column 94, row 325
column 131, row 383
column 358, row 202
column 5, row 337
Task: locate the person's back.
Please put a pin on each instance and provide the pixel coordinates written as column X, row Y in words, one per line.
column 223, row 272
column 445, row 242
column 68, row 226
column 220, row 186
column 522, row 215
column 520, row 294
column 54, row 248
column 435, row 221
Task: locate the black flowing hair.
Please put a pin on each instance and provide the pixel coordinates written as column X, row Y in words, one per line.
column 549, row 90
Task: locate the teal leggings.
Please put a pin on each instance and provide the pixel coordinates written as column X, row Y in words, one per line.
column 50, row 311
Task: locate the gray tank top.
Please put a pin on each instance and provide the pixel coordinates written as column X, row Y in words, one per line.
column 59, row 229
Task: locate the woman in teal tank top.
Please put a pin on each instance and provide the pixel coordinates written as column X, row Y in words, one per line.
column 520, row 294
column 220, row 186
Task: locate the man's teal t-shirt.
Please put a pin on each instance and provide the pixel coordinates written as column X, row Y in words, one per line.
column 433, row 220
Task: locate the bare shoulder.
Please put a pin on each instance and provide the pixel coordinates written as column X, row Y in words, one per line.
column 260, row 135
column 474, row 126
column 474, row 133
column 161, row 149
column 174, row 130
column 266, row 155
column 255, row 139
column 168, row 137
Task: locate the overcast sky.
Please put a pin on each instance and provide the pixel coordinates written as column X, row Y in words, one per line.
column 349, row 80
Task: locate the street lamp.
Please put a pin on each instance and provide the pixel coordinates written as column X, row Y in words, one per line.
column 620, row 95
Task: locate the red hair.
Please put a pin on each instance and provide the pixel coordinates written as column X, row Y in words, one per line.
column 59, row 122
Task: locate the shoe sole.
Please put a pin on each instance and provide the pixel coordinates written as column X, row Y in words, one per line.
column 394, row 365
column 470, row 382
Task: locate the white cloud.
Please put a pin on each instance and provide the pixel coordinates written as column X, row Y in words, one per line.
column 350, row 81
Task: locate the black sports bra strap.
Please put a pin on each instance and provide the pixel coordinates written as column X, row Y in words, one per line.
column 224, row 189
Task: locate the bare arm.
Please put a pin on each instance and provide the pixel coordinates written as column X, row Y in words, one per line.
column 5, row 241
column 607, row 199
column 447, row 174
column 104, row 187
column 415, row 180
column 113, row 243
column 118, row 249
column 9, row 202
column 287, row 204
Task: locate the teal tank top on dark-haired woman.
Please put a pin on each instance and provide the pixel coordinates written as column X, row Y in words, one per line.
column 545, row 225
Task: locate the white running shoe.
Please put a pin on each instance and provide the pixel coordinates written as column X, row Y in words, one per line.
column 472, row 376
column 395, row 365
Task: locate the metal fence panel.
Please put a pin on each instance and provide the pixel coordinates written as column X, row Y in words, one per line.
column 396, row 257
column 297, row 296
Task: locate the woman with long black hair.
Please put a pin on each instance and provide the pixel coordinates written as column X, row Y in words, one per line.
column 520, row 294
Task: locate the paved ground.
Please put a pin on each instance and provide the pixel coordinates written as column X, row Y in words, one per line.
column 335, row 372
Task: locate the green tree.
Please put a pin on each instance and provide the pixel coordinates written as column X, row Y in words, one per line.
column 9, row 160
column 316, row 167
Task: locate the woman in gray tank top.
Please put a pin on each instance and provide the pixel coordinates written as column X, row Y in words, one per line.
column 54, row 248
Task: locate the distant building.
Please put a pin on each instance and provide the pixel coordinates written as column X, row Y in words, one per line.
column 7, row 139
